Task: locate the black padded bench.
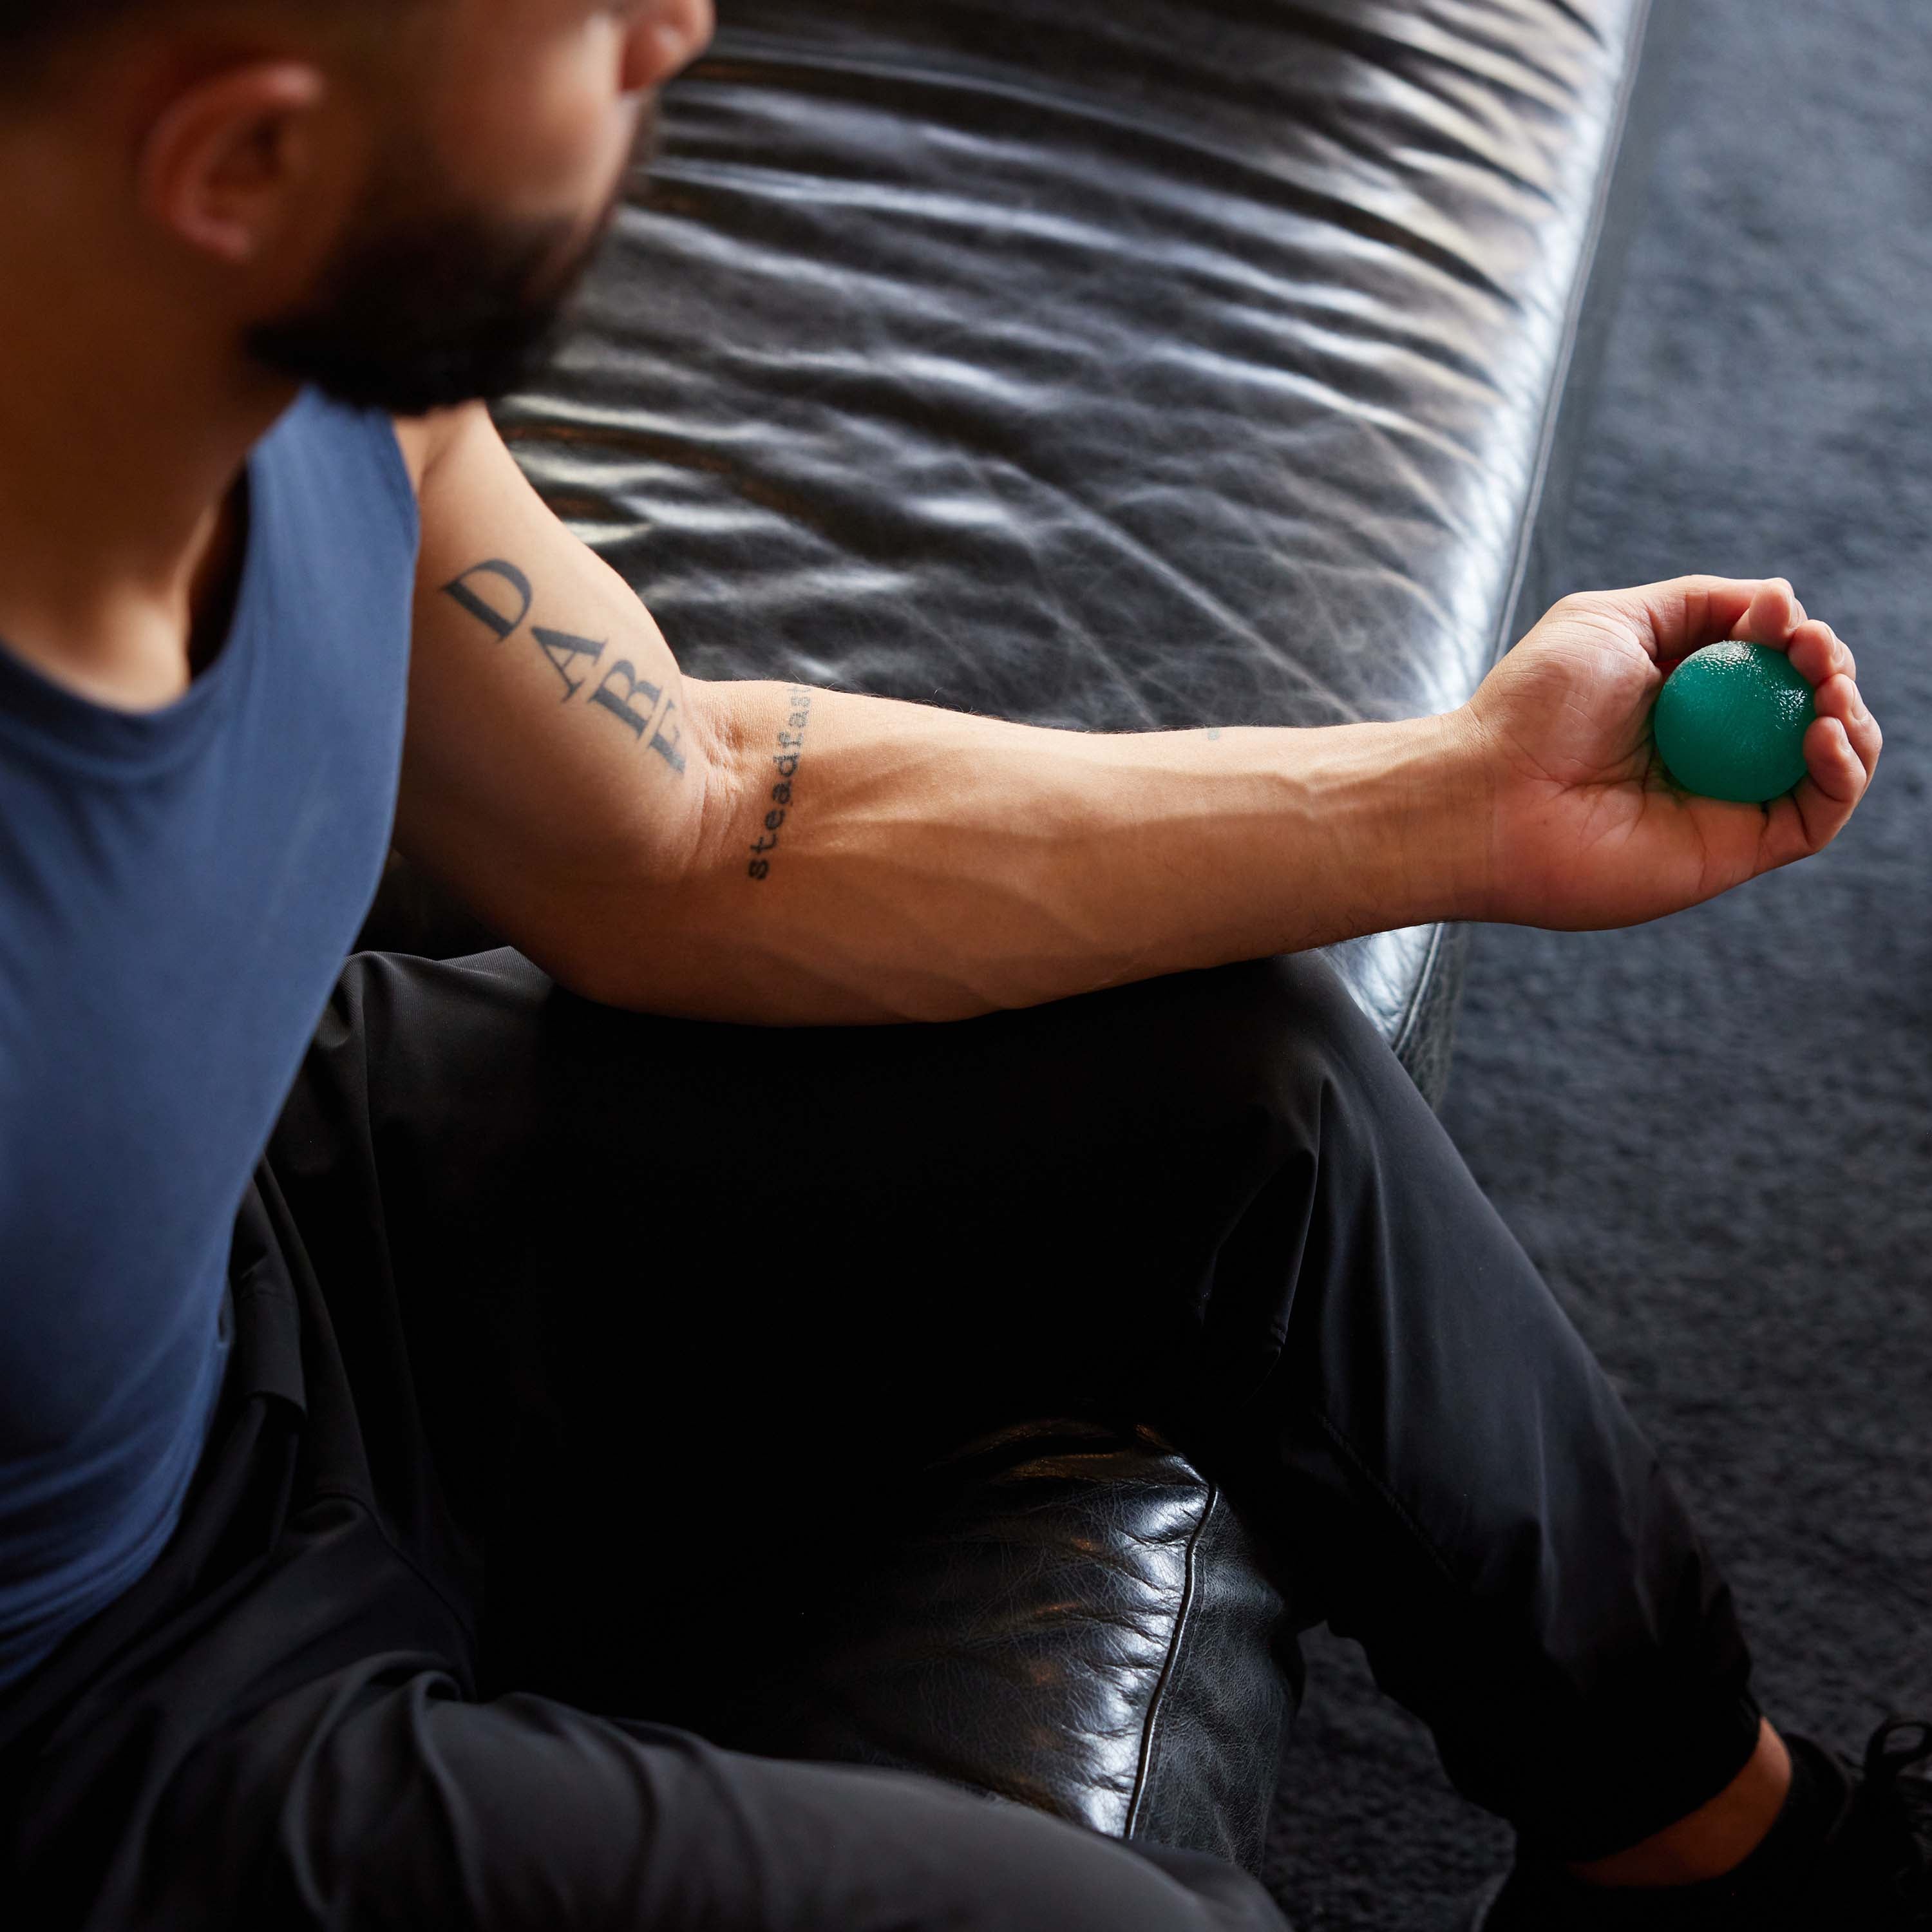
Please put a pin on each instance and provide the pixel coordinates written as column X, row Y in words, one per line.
column 1111, row 364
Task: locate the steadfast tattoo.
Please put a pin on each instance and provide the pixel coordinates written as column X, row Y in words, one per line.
column 488, row 590
column 791, row 748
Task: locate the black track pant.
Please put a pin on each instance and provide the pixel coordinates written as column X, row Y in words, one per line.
column 566, row 1337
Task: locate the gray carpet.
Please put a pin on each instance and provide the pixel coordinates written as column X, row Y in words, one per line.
column 1714, row 1134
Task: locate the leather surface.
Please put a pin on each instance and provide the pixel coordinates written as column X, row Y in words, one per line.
column 1148, row 363
column 1079, row 1623
column 1117, row 365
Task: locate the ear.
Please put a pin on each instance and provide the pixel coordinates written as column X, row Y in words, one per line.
column 230, row 157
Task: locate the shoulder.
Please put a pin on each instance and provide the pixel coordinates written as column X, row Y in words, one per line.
column 420, row 438
column 424, row 440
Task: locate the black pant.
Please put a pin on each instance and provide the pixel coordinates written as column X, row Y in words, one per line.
column 553, row 1321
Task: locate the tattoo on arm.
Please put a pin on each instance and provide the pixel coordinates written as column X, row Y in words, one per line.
column 499, row 597
column 790, row 750
column 489, row 611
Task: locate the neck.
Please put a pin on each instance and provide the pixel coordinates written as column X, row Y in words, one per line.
column 120, row 450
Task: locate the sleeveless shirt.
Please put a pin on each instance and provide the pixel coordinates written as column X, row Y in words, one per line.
column 178, row 889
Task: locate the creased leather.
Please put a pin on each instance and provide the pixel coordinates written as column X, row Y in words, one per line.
column 1117, row 366
column 1079, row 1623
column 1146, row 364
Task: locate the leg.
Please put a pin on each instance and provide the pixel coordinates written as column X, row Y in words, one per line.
column 634, row 1254
column 280, row 1724
column 385, row 1804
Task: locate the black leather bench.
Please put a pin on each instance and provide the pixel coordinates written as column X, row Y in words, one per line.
column 1111, row 364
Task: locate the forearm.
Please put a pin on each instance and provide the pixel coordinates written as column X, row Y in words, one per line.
column 731, row 851
column 863, row 860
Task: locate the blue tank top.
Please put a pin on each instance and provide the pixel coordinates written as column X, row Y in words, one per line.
column 178, row 891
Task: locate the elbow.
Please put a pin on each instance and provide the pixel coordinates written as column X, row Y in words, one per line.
column 633, row 917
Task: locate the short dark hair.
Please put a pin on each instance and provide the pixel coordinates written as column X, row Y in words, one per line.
column 28, row 28
column 33, row 32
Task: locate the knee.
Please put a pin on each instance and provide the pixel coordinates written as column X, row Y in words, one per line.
column 1281, row 1039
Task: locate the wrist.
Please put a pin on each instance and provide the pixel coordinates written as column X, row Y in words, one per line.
column 1471, row 777
column 1446, row 798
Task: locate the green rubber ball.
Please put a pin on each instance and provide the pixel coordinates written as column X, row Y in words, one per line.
column 1730, row 723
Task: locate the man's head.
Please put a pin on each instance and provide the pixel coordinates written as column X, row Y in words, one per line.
column 393, row 199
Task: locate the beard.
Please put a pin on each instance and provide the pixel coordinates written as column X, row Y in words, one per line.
column 424, row 307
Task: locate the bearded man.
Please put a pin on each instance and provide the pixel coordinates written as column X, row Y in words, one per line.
column 280, row 1433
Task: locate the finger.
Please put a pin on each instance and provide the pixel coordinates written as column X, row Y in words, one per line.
column 1832, row 763
column 1841, row 754
column 1818, row 654
column 1839, row 698
column 1771, row 617
column 1807, row 819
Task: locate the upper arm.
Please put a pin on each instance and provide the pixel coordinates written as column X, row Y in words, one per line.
column 553, row 769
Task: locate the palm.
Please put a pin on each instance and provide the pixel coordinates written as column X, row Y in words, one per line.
column 1589, row 831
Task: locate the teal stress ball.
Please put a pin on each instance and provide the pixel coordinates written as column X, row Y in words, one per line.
column 1730, row 723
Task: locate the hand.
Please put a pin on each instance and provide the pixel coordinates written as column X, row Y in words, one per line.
column 1585, row 828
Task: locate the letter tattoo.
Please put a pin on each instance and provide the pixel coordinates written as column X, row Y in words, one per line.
column 499, row 595
column 458, row 590
column 667, row 740
column 619, row 707
column 791, row 749
column 561, row 648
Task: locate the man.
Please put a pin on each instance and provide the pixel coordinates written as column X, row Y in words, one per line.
column 301, row 1507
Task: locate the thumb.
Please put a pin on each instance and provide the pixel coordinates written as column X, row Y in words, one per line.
column 1683, row 614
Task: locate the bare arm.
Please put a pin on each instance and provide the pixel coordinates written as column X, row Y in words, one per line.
column 756, row 851
column 920, row 864
column 777, row 854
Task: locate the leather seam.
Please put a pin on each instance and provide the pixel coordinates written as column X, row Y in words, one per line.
column 1411, row 1019
column 1170, row 1668
column 1553, row 416
column 1573, row 326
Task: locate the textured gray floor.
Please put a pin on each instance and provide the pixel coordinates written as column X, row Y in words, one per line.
column 1714, row 1134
